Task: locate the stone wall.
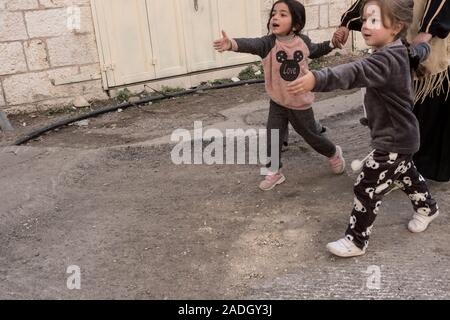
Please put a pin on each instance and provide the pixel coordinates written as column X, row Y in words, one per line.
column 48, row 56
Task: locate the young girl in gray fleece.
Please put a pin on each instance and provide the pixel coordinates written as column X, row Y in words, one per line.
column 283, row 53
column 393, row 127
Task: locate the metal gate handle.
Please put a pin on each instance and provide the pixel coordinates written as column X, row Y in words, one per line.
column 196, row 5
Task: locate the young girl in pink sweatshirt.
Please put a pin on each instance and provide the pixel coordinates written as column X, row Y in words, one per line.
column 284, row 54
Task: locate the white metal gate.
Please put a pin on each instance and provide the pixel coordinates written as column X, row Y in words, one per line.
column 141, row 40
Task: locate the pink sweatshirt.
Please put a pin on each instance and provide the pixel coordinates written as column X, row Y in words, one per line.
column 282, row 58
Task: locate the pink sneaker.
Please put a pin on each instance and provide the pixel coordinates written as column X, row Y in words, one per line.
column 337, row 162
column 272, row 180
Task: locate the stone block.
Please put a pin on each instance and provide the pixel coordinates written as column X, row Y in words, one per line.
column 314, row 2
column 321, row 35
column 337, row 9
column 34, row 87
column 12, row 59
column 58, row 22
column 36, row 54
column 63, row 3
column 27, row 88
column 22, row 5
column 72, row 50
column 324, row 16
column 312, row 18
column 12, row 26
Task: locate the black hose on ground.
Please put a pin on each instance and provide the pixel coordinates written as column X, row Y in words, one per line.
column 34, row 134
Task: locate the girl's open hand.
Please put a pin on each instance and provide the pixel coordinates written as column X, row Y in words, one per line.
column 304, row 84
column 223, row 44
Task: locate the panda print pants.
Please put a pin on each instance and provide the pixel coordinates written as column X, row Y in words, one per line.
column 381, row 172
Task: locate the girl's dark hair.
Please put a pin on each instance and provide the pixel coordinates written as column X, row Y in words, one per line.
column 298, row 14
column 397, row 11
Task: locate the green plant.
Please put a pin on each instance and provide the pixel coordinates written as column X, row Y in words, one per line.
column 59, row 111
column 251, row 72
column 167, row 89
column 316, row 64
column 219, row 81
column 124, row 95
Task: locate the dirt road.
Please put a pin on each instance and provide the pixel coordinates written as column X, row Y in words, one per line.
column 140, row 227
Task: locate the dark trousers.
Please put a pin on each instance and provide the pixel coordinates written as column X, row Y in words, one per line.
column 433, row 158
column 304, row 124
column 380, row 173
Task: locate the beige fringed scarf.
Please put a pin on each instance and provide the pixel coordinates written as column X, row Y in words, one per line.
column 437, row 65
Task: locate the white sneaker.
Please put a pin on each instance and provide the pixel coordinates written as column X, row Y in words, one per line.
column 345, row 248
column 420, row 222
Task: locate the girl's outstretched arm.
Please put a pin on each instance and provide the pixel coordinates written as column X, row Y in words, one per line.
column 369, row 72
column 257, row 46
column 372, row 72
column 317, row 50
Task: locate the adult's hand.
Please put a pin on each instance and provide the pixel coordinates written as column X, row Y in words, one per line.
column 422, row 37
column 340, row 37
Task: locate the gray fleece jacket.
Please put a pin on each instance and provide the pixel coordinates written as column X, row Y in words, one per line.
column 389, row 100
